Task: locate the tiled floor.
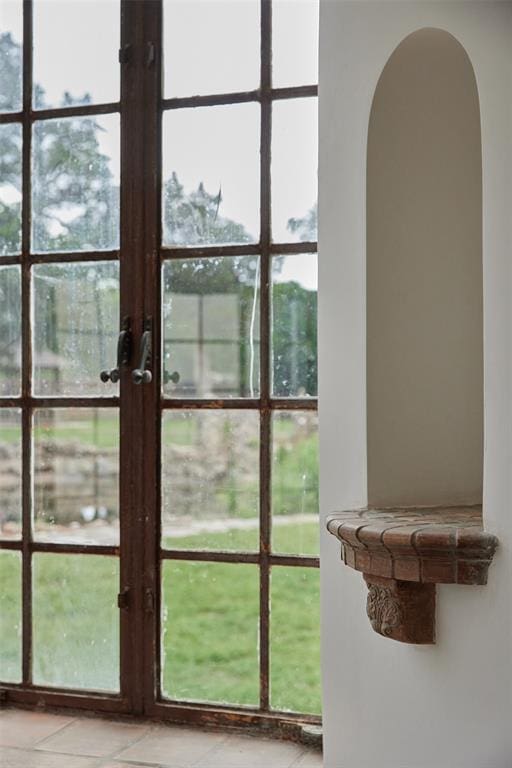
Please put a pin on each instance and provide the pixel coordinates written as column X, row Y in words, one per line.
column 40, row 740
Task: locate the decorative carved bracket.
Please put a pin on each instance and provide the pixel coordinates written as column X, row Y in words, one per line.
column 404, row 553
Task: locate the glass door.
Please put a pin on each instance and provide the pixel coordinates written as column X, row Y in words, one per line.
column 65, row 402
column 158, row 431
column 236, row 628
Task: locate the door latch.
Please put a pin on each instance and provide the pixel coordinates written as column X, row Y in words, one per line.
column 142, row 374
column 124, row 353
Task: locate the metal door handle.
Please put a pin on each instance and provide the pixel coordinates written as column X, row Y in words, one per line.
column 142, row 374
column 124, row 353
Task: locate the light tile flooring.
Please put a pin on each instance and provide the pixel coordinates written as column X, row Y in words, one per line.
column 41, row 740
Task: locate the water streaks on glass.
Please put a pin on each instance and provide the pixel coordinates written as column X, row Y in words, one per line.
column 76, row 621
column 10, row 473
column 295, row 525
column 11, row 53
column 211, row 327
column 10, row 188
column 76, row 320
column 75, row 184
column 294, row 325
column 10, row 331
column 10, row 616
column 76, row 475
column 210, row 480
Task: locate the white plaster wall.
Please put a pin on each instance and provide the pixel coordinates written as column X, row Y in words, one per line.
column 387, row 704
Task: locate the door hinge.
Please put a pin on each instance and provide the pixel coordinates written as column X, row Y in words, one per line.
column 149, row 600
column 122, row 599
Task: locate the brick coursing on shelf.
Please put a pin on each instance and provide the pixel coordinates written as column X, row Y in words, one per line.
column 404, row 552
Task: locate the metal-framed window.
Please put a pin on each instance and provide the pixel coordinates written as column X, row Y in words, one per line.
column 221, row 341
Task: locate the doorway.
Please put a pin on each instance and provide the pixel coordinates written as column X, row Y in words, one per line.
column 158, row 383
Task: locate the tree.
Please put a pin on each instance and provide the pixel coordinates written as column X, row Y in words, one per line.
column 306, row 227
column 76, row 207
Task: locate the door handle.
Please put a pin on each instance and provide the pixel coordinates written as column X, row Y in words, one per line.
column 124, row 353
column 142, row 374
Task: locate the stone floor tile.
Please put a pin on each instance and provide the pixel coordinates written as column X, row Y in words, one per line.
column 311, row 758
column 19, row 728
column 116, row 764
column 173, row 746
column 94, row 737
column 24, row 758
column 251, row 752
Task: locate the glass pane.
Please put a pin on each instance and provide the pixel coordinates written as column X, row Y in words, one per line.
column 10, row 331
column 76, row 475
column 75, row 184
column 210, row 480
column 295, row 640
column 10, row 473
column 76, row 320
column 76, row 52
column 11, row 55
column 210, row 617
column 76, row 621
column 10, row 187
column 294, row 183
column 294, row 321
column 294, row 42
column 211, row 47
column 211, row 175
column 211, row 327
column 10, row 617
column 295, row 483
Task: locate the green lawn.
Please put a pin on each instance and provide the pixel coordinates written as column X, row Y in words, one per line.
column 209, row 622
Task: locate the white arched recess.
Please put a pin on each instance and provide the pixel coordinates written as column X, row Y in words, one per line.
column 388, row 704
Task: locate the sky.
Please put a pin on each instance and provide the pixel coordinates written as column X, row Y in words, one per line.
column 210, row 46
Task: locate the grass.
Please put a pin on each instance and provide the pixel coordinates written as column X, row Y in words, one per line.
column 210, row 634
column 209, row 622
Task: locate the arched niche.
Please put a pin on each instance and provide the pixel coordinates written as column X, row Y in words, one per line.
column 424, row 278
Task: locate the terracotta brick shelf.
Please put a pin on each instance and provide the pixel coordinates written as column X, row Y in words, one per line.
column 404, row 553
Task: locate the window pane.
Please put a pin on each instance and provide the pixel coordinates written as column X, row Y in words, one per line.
column 10, row 473
column 210, row 480
column 76, row 475
column 295, row 640
column 76, row 623
column 294, row 321
column 10, row 331
column 294, row 170
column 294, row 42
column 211, row 47
column 211, row 175
column 211, row 327
column 210, row 632
column 76, row 317
column 76, row 52
column 295, row 483
column 10, row 187
column 11, row 55
column 75, row 184
column 10, row 617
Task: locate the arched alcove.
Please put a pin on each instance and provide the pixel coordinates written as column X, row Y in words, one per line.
column 424, row 278
column 424, row 341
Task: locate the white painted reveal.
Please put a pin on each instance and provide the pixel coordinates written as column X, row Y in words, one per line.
column 447, row 706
